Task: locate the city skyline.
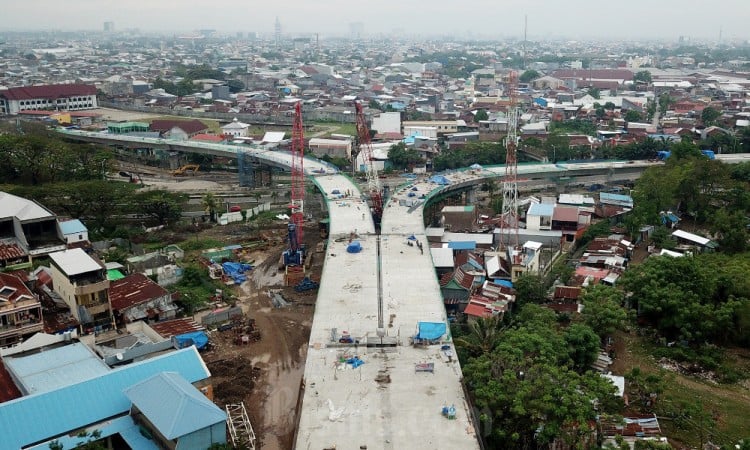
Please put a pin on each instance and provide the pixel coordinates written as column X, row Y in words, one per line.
column 576, row 19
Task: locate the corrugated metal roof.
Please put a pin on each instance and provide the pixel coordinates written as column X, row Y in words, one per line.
column 173, row 405
column 55, row 368
column 541, row 209
column 74, row 261
column 21, row 208
column 39, row 417
column 74, row 226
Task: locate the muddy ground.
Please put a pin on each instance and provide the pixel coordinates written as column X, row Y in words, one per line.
column 266, row 374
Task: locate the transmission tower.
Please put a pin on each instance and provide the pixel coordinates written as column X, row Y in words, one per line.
column 509, row 223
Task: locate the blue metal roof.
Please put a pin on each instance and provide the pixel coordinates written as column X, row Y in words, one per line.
column 55, row 368
column 615, row 198
column 462, row 245
column 40, row 417
column 124, row 426
column 541, row 209
column 73, row 227
column 173, row 405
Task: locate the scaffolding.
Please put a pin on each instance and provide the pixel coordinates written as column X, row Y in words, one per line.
column 240, row 429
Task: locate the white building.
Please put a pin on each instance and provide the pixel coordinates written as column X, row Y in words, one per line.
column 340, row 148
column 54, row 97
column 388, row 122
column 236, row 129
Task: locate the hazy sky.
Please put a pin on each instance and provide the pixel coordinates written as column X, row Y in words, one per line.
column 631, row 19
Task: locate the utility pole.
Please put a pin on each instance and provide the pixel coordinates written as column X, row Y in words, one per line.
column 525, row 29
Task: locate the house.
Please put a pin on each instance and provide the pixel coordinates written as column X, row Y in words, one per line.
column 81, row 281
column 632, row 427
column 525, row 260
column 178, row 129
column 27, row 229
column 337, row 148
column 74, row 231
column 137, row 297
column 539, row 216
column 236, row 128
column 693, row 240
column 175, row 413
column 20, row 310
column 456, row 287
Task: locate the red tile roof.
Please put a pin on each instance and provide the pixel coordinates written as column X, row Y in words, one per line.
column 52, row 91
column 13, row 282
column 477, row 310
column 133, row 290
column 207, row 138
column 10, row 251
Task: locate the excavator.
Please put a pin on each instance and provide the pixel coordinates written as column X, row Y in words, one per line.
column 185, row 169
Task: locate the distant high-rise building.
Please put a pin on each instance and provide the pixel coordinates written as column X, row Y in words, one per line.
column 277, row 32
column 356, row 30
column 109, row 27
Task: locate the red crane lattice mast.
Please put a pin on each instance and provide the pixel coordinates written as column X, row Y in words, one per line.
column 509, row 223
column 365, row 149
column 298, row 175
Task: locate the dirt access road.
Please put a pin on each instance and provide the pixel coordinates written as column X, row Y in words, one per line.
column 266, row 375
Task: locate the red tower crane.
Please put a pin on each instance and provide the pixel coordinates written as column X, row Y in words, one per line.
column 297, row 213
column 509, row 223
column 365, row 149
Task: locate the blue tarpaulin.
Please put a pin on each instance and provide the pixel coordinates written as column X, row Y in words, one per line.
column 354, row 247
column 505, row 283
column 431, row 330
column 439, row 179
column 198, row 338
column 355, row 362
column 236, row 271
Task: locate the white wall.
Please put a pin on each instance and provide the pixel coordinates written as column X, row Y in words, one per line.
column 389, row 122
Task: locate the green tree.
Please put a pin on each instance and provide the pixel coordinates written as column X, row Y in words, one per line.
column 709, row 116
column 161, row 206
column 583, row 346
column 633, row 116
column 529, row 75
column 481, row 115
column 530, row 289
column 643, row 76
column 483, row 334
column 402, row 157
column 603, row 310
column 210, row 205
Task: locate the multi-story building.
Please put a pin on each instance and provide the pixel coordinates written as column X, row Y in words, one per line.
column 82, row 283
column 20, row 310
column 53, row 97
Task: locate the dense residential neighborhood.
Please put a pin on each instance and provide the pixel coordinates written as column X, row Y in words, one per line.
column 283, row 240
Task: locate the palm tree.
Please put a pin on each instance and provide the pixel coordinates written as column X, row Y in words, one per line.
column 484, row 334
column 210, row 204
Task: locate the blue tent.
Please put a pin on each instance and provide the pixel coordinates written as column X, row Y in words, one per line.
column 197, row 338
column 354, row 247
column 431, row 330
column 412, row 238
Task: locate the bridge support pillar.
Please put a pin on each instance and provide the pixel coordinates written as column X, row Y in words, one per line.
column 471, row 196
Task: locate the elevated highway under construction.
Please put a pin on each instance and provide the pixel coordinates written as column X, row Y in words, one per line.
column 381, row 371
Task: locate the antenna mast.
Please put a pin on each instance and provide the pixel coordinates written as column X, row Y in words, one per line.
column 509, row 222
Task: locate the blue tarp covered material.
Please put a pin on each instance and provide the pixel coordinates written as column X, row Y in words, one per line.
column 354, row 247
column 355, row 362
column 236, row 271
column 431, row 330
column 198, row 338
column 439, row 179
column 412, row 238
column 505, row 283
